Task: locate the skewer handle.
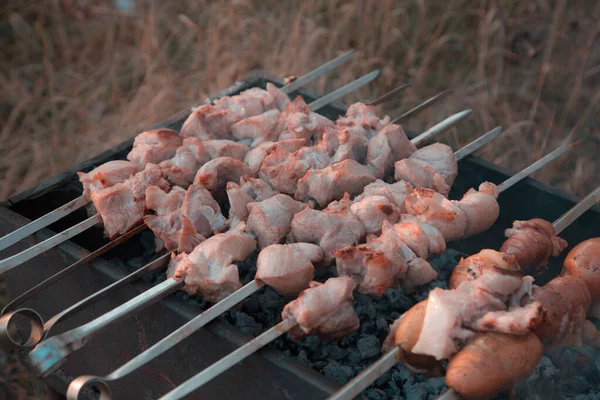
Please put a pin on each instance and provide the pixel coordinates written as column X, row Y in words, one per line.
column 440, row 127
column 42, row 222
column 16, row 260
column 52, row 353
column 368, row 376
column 317, row 72
column 344, row 90
column 229, row 361
column 186, row 330
column 575, row 212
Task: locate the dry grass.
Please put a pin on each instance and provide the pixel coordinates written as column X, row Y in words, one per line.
column 77, row 77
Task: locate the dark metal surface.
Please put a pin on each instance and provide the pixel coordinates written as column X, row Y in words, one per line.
column 267, row 375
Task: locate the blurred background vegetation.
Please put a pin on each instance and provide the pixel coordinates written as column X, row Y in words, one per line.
column 79, row 76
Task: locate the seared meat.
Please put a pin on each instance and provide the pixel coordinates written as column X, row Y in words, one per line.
column 122, row 205
column 330, row 183
column 183, row 219
column 300, row 125
column 255, row 157
column 270, row 220
column 288, row 268
column 480, row 208
column 432, row 167
column 384, row 262
column 532, row 243
column 106, row 175
column 189, row 157
column 225, row 148
column 362, row 118
column 389, row 145
column 260, row 128
column 332, row 229
column 453, row 316
column 428, row 206
column 373, row 210
column 351, row 146
column 214, row 121
column 209, row 270
column 324, row 309
column 282, row 170
column 218, row 172
column 394, row 192
column 424, row 239
column 472, row 267
column 154, row 146
column 249, row 190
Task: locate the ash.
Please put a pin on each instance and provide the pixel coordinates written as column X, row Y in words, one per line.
column 571, row 373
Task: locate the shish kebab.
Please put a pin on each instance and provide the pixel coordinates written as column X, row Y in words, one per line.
column 331, row 324
column 296, row 277
column 535, row 247
column 39, row 329
column 150, row 175
column 225, row 104
column 162, row 290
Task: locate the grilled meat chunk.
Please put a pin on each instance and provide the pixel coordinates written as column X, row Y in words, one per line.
column 154, row 146
column 389, row 145
column 106, row 175
column 189, row 157
column 216, row 173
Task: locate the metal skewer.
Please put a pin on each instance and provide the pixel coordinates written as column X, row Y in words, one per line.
column 421, row 106
column 389, row 94
column 53, row 216
column 17, row 259
column 201, row 320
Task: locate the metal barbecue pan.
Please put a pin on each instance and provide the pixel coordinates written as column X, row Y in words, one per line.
column 268, row 375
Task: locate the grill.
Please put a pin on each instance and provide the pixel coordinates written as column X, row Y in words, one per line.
column 308, row 369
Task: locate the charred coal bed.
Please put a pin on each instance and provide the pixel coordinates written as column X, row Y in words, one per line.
column 566, row 373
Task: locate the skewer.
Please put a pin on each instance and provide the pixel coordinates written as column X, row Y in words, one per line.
column 421, row 106
column 40, row 355
column 35, row 320
column 53, row 216
column 17, row 259
column 389, row 94
column 388, row 360
column 210, row 314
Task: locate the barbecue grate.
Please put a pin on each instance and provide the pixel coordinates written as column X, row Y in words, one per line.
column 310, row 368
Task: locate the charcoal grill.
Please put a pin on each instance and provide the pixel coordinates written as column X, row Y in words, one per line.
column 266, row 375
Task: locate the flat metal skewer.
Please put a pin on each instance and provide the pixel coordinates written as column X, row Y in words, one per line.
column 421, row 106
column 201, row 320
column 383, row 98
column 64, row 210
column 230, row 360
column 440, row 127
column 344, row 90
column 576, row 211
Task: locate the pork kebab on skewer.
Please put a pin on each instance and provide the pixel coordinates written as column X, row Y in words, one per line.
column 342, row 323
column 207, row 214
column 235, row 104
column 287, row 277
column 132, row 192
column 538, row 246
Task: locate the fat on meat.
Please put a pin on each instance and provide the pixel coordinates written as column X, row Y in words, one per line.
column 216, row 173
column 282, row 170
column 330, row 183
column 332, row 228
column 209, row 270
column 428, row 206
column 395, row 192
column 288, row 268
column 154, row 146
column 106, row 175
column 324, row 310
column 490, row 303
column 389, row 145
column 480, row 207
column 384, row 262
column 363, row 118
column 189, row 157
column 255, row 157
column 122, row 205
column 270, row 220
column 532, row 243
column 373, row 210
column 225, row 148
